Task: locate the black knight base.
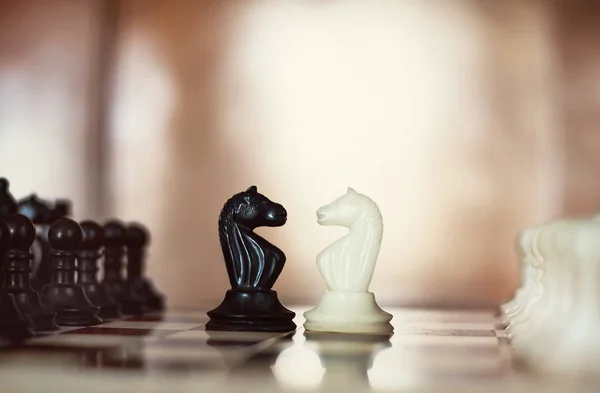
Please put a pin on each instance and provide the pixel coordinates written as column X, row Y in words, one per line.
column 253, row 265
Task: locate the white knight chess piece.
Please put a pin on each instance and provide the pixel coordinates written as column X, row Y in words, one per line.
column 347, row 267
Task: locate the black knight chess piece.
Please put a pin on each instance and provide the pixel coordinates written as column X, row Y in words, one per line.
column 253, row 265
column 88, row 258
column 62, row 208
column 62, row 294
column 39, row 212
column 14, row 327
column 36, row 209
column 115, row 251
column 17, row 267
column 8, row 204
column 137, row 242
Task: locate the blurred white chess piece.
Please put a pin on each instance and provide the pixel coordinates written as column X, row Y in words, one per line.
column 554, row 241
column 573, row 347
column 347, row 267
column 534, row 259
column 522, row 249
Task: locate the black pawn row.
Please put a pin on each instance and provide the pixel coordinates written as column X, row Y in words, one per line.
column 62, row 295
column 63, row 301
column 89, row 254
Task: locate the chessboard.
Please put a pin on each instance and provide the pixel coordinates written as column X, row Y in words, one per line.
column 429, row 351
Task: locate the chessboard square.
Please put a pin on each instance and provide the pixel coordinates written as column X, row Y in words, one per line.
column 193, row 336
column 461, row 341
column 150, row 325
column 220, row 357
column 467, row 326
column 445, row 316
column 201, row 314
column 421, row 331
column 83, row 340
column 454, row 362
column 172, row 316
column 101, row 331
column 221, row 339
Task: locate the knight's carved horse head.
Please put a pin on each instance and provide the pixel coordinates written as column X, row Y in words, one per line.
column 344, row 211
column 252, row 210
column 252, row 262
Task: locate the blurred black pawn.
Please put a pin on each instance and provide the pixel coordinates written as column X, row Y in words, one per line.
column 17, row 267
column 137, row 242
column 87, row 271
column 115, row 237
column 39, row 212
column 62, row 294
column 13, row 325
column 8, row 206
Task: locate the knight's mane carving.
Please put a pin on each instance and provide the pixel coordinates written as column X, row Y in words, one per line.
column 227, row 231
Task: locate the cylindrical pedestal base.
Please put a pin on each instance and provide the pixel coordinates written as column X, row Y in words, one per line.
column 243, row 310
column 348, row 312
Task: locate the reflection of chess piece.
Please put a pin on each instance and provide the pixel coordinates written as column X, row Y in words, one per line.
column 253, row 265
column 229, row 346
column 346, row 361
column 347, row 268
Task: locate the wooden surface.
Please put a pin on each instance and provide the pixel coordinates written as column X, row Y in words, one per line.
column 430, row 351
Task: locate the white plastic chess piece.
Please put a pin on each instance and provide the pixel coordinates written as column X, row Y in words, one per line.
column 347, row 267
column 554, row 241
column 575, row 349
column 535, row 258
column 522, row 246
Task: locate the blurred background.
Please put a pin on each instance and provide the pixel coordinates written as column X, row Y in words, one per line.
column 464, row 120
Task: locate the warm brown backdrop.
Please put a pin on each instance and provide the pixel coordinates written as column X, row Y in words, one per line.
column 464, row 120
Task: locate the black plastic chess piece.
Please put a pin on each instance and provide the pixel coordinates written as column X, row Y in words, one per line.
column 8, row 204
column 14, row 326
column 62, row 294
column 36, row 209
column 62, row 208
column 39, row 212
column 115, row 251
column 253, row 265
column 138, row 239
column 17, row 267
column 87, row 271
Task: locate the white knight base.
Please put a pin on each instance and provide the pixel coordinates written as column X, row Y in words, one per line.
column 348, row 312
